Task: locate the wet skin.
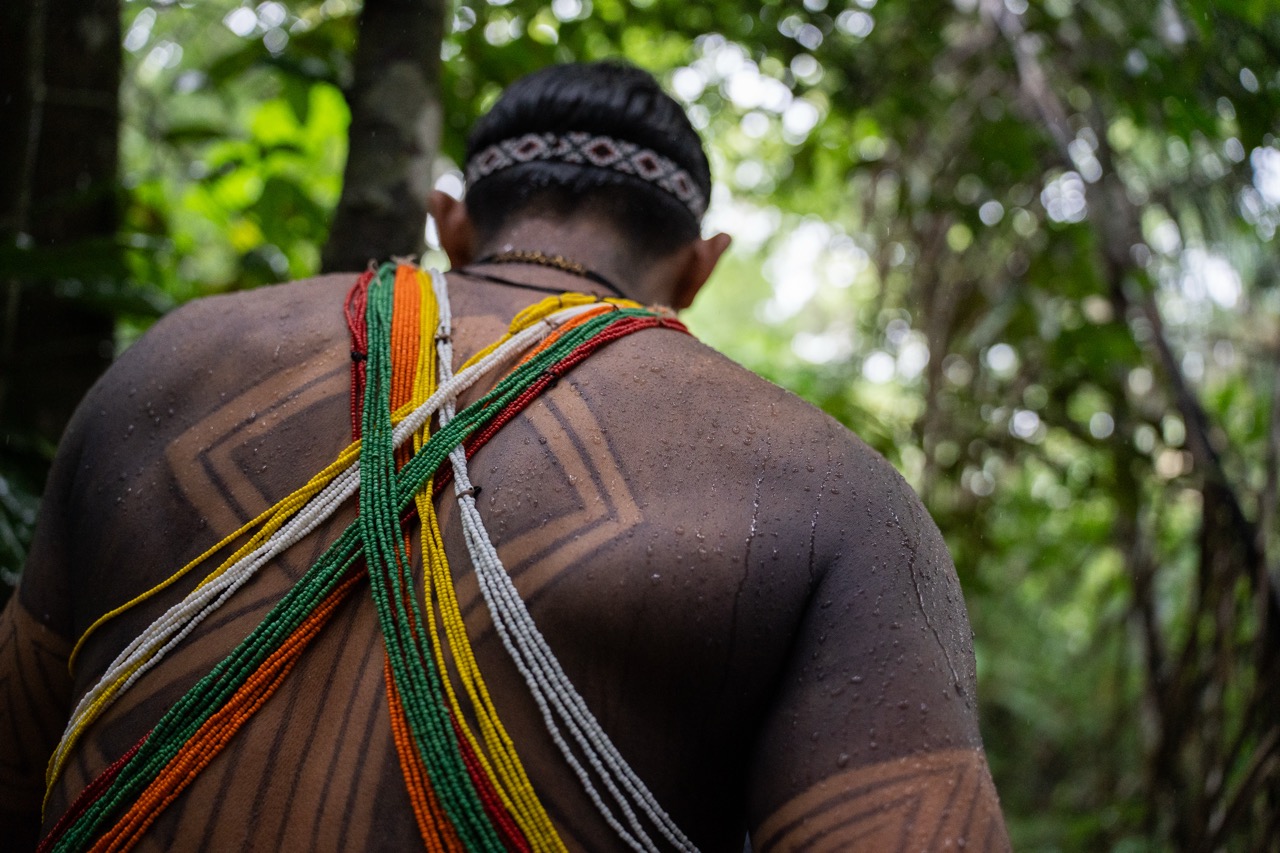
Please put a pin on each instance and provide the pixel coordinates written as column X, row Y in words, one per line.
column 752, row 602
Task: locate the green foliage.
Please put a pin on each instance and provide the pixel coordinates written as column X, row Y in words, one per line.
column 234, row 141
column 17, row 521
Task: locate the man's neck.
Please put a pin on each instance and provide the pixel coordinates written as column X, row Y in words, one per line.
column 594, row 245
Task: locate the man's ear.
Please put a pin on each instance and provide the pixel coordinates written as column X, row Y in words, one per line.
column 703, row 255
column 453, row 224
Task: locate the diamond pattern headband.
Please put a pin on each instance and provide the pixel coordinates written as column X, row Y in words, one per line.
column 588, row 149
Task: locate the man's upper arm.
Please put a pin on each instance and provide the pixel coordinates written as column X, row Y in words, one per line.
column 34, row 692
column 872, row 742
column 35, row 687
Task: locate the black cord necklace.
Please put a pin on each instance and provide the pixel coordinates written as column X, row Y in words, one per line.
column 540, row 259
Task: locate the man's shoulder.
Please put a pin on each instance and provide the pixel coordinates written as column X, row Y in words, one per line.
column 200, row 358
column 251, row 316
column 718, row 430
column 705, row 391
column 256, row 376
column 233, row 333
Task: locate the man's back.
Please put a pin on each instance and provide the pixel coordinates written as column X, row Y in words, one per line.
column 749, row 600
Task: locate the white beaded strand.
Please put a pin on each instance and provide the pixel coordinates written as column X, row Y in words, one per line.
column 550, row 686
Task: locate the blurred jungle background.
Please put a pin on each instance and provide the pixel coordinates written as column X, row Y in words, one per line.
column 1025, row 248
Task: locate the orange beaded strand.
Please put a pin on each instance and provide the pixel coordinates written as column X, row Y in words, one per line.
column 404, row 335
column 438, row 834
column 210, row 739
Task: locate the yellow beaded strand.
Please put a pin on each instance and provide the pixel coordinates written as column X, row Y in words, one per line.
column 270, row 520
column 510, row 780
column 273, row 518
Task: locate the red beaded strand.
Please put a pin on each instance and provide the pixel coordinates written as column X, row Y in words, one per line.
column 353, row 310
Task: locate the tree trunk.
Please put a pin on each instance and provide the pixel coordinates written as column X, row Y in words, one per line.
column 394, row 136
column 59, row 107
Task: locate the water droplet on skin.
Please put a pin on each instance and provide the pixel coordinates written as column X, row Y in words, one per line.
column 842, row 759
column 655, row 577
column 857, row 679
column 679, row 530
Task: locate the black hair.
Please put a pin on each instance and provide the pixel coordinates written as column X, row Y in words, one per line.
column 606, row 98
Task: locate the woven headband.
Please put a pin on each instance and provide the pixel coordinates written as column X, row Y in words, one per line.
column 588, row 149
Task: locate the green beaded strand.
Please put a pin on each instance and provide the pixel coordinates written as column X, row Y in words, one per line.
column 390, row 571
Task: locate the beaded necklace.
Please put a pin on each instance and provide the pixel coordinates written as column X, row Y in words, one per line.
column 536, row 258
column 467, row 792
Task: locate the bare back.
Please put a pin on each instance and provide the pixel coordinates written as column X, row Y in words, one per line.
column 753, row 604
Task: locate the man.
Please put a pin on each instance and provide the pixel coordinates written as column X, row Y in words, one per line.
column 754, row 606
